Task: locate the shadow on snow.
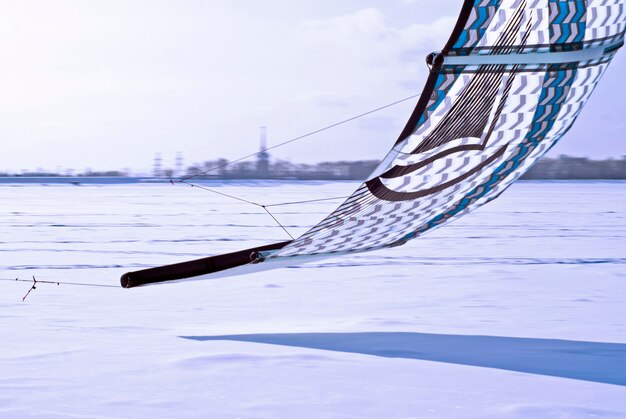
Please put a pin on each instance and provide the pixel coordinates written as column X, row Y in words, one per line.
column 590, row 361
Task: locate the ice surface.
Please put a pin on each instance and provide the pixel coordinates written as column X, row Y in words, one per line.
column 516, row 311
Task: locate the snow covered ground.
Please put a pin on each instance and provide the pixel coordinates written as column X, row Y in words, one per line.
column 516, row 311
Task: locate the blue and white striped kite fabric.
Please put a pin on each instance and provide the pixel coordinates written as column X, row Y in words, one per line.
column 507, row 86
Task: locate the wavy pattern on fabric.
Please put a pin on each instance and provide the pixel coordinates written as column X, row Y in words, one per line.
column 478, row 127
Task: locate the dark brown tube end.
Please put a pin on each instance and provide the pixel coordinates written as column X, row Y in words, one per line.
column 126, row 281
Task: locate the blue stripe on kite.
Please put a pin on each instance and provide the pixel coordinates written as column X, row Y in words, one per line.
column 483, row 16
column 440, row 94
column 581, row 8
column 563, row 11
column 533, row 138
column 576, row 24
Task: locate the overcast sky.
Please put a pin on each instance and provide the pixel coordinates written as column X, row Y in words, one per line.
column 104, row 84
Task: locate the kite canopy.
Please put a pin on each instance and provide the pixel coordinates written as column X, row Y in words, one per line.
column 509, row 83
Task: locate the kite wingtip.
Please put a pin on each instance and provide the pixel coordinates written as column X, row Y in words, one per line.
column 125, row 280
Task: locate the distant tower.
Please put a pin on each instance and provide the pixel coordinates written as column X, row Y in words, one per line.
column 158, row 169
column 263, row 158
column 179, row 163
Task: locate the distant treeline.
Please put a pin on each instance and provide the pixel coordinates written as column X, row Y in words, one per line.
column 36, row 173
column 281, row 169
column 564, row 167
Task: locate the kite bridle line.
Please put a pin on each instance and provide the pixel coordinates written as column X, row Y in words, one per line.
column 185, row 179
column 37, row 281
column 292, row 140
